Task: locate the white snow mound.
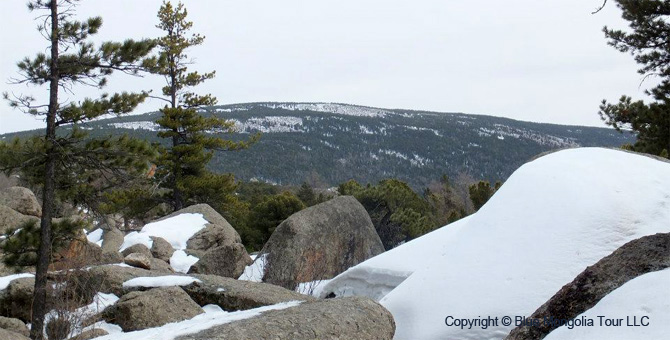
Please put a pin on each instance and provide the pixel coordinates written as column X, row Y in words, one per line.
column 176, row 230
column 552, row 218
column 160, row 281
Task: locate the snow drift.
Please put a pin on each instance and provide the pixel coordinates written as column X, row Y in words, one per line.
column 552, row 218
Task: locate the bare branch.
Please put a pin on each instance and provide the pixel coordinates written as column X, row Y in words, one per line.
column 600, row 8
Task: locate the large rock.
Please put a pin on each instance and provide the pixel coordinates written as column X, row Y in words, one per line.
column 343, row 318
column 14, row 325
column 9, row 335
column 161, row 249
column 228, row 261
column 10, row 218
column 152, row 308
column 112, row 240
column 138, row 260
column 79, row 253
column 635, row 258
column 16, row 300
column 320, row 242
column 107, row 279
column 137, row 248
column 217, row 232
column 232, row 295
column 22, row 200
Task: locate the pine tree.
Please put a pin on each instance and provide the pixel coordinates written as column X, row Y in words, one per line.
column 68, row 162
column 306, row 194
column 481, row 192
column 192, row 138
column 647, row 41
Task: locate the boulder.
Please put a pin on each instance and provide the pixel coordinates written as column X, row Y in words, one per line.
column 138, row 260
column 343, row 318
column 152, row 308
column 137, row 248
column 232, row 295
column 228, row 261
column 22, row 200
column 161, row 266
column 9, row 335
column 14, row 325
column 16, row 300
column 107, row 279
column 320, row 242
column 79, row 253
column 217, row 233
column 112, row 240
column 635, row 258
column 10, row 218
column 161, row 249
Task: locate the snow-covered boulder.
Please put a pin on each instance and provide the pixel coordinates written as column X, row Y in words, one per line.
column 191, row 232
column 552, row 218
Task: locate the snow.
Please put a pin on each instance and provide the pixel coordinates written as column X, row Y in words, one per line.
column 313, row 288
column 6, row 280
column 176, row 230
column 645, row 296
column 552, row 218
column 255, row 271
column 83, row 314
column 211, row 318
column 182, row 262
column 341, row 109
column 379, row 275
column 160, row 281
column 94, row 236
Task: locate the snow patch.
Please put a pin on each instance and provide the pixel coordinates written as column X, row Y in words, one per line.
column 176, row 230
column 160, row 281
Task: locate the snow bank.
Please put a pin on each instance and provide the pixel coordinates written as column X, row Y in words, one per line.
column 182, row 262
column 94, row 236
column 176, row 230
column 552, row 218
column 160, row 281
column 6, row 280
column 379, row 275
column 211, row 318
column 255, row 271
column 645, row 296
column 80, row 316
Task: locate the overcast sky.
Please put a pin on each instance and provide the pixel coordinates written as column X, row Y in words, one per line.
column 535, row 60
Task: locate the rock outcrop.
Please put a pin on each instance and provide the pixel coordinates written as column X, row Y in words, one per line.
column 16, row 300
column 232, row 295
column 320, row 242
column 9, row 335
column 343, row 318
column 14, row 325
column 227, row 260
column 22, row 200
column 10, row 218
column 161, row 249
column 635, row 258
column 139, row 260
column 152, row 308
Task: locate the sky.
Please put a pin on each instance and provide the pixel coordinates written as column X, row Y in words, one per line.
column 542, row 61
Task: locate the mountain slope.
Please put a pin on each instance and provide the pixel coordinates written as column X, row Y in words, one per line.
column 331, row 143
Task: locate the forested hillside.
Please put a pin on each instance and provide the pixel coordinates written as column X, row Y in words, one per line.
column 327, row 144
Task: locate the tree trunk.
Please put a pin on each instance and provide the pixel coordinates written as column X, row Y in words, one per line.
column 44, row 250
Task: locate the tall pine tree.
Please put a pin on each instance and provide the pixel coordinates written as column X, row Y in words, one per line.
column 649, row 43
column 68, row 162
column 192, row 138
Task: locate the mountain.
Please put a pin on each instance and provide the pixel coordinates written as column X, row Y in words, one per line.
column 329, row 143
